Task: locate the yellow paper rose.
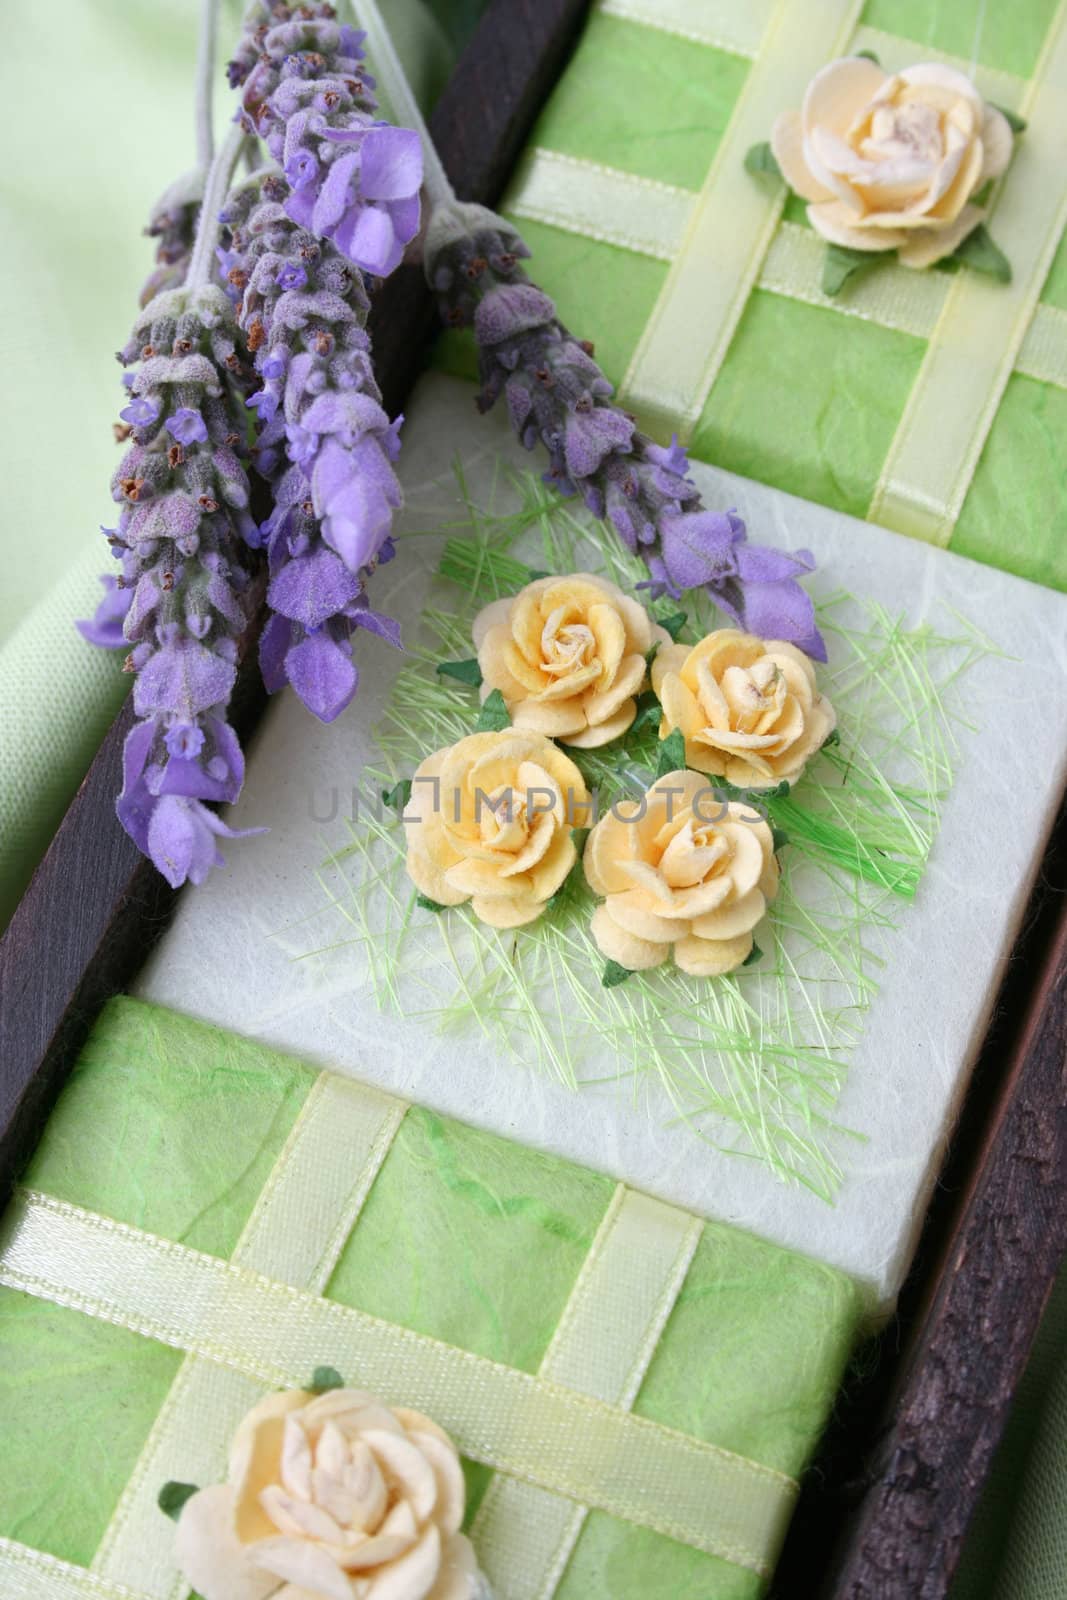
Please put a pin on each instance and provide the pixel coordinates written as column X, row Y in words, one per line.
column 891, row 161
column 332, row 1497
column 683, row 874
column 568, row 655
column 489, row 820
column 749, row 709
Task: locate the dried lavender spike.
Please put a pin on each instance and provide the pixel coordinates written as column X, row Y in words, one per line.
column 557, row 396
column 325, row 444
column 184, row 496
column 173, row 223
column 353, row 178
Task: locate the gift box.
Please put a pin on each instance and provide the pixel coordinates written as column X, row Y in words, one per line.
column 831, row 1150
column 206, row 1219
column 922, row 401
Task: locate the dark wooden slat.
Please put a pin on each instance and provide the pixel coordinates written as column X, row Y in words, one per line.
column 94, row 906
column 507, row 70
column 951, row 1363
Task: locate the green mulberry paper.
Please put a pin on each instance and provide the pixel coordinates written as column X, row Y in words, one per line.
column 173, row 1126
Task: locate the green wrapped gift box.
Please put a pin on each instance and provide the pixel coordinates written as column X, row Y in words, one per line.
column 184, row 1167
column 702, row 291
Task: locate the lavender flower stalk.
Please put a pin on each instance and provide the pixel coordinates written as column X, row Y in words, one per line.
column 352, row 178
column 184, row 497
column 557, row 396
column 173, row 223
column 325, row 444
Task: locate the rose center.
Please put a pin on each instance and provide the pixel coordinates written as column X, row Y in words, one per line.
column 503, row 820
column 752, row 692
column 912, row 131
column 697, row 852
column 566, row 646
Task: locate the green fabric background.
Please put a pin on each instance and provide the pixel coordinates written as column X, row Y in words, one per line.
column 1017, row 1547
column 173, row 1126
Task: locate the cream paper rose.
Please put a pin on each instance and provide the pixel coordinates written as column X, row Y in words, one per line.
column 332, row 1497
column 568, row 655
column 683, row 873
column 749, row 709
column 891, row 161
column 489, row 820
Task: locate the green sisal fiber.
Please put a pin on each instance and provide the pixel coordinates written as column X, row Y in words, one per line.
column 754, row 1061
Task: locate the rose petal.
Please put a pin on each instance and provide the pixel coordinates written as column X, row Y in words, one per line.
column 936, row 74
column 998, row 142
column 710, row 958
column 404, row 1466
column 837, row 224
column 636, row 955
column 458, row 1578
column 501, row 913
column 302, row 1563
column 787, row 147
column 612, row 727
column 923, row 249
column 413, row 1575
column 839, row 91
column 207, row 1550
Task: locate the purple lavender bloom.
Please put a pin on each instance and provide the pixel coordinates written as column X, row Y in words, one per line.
column 264, row 403
column 312, row 588
column 698, row 547
column 185, row 740
column 162, row 801
column 187, row 426
column 351, row 42
column 182, row 603
column 351, row 178
column 301, row 169
column 368, row 202
column 386, row 628
column 173, row 224
column 291, row 276
column 181, row 836
column 354, row 493
column 558, row 397
column 321, row 670
column 105, row 626
column 325, row 444
column 140, row 413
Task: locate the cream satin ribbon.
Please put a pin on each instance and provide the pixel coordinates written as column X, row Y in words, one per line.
column 722, row 24
column 596, row 1454
column 731, row 226
column 911, row 302
column 602, row 1347
column 27, row 1574
column 295, row 1234
column 983, row 324
column 601, row 202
